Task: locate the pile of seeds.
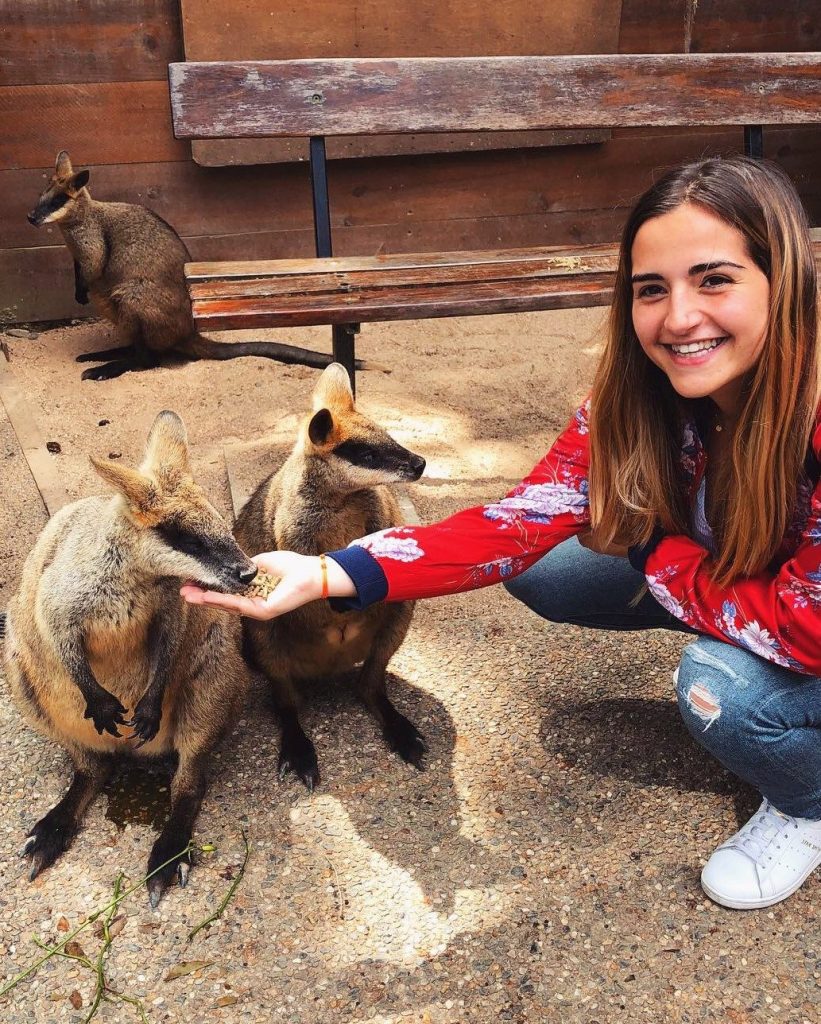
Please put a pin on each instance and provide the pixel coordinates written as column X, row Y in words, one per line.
column 263, row 584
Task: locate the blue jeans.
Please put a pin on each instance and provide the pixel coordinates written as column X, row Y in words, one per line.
column 761, row 721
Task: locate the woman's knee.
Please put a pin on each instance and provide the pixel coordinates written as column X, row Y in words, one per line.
column 535, row 589
column 718, row 683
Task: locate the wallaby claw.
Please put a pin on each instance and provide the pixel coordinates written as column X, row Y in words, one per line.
column 146, row 725
column 50, row 837
column 106, row 713
column 404, row 738
column 27, row 846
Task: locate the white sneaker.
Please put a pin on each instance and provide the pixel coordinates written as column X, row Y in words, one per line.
column 764, row 862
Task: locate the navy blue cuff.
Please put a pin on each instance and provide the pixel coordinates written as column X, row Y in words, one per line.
column 638, row 554
column 367, row 575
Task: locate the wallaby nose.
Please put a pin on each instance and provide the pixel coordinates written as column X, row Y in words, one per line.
column 417, row 464
column 32, row 218
column 247, row 575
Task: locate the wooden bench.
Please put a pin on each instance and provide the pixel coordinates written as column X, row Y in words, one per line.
column 330, row 97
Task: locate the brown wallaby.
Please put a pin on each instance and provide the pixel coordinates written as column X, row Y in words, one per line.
column 131, row 263
column 98, row 631
column 331, row 490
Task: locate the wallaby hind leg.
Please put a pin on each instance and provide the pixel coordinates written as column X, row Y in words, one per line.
column 52, row 835
column 118, row 352
column 170, row 853
column 141, row 360
column 400, row 733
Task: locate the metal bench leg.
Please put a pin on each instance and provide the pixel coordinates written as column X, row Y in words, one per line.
column 344, row 336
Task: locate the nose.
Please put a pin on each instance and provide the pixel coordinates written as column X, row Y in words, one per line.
column 417, row 464
column 683, row 312
column 246, row 575
column 32, row 218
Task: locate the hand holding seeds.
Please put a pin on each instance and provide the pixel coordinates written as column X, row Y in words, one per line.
column 291, row 580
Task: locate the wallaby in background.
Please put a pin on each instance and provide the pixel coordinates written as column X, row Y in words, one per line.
column 331, row 490
column 98, row 632
column 131, row 263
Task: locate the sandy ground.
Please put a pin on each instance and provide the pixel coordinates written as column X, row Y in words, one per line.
column 544, row 867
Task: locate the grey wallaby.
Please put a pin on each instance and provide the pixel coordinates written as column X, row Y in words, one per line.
column 331, row 490
column 98, row 631
column 130, row 262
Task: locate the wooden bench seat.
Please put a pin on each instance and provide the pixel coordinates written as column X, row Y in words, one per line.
column 281, row 293
column 333, row 97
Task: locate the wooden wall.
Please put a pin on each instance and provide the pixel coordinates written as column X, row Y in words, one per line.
column 90, row 76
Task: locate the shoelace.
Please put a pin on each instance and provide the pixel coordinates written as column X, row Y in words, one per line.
column 758, row 835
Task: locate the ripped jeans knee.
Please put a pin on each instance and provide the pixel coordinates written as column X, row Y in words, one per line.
column 760, row 720
column 703, row 678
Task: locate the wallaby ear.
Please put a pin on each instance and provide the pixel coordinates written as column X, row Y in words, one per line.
column 166, row 452
column 333, row 389
column 62, row 166
column 320, row 427
column 138, row 490
column 80, row 180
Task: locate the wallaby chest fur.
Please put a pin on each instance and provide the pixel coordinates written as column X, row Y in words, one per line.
column 82, row 569
column 297, row 509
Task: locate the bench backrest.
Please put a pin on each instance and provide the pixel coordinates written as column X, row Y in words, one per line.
column 341, row 96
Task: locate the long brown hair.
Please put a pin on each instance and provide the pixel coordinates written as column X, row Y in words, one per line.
column 637, row 418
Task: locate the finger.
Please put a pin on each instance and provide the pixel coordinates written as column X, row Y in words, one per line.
column 252, row 607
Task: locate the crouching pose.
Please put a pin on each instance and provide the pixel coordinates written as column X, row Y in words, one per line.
column 98, row 640
column 692, row 470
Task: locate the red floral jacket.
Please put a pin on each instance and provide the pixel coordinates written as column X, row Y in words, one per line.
column 776, row 614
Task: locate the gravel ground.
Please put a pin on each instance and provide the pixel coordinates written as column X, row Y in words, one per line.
column 544, row 867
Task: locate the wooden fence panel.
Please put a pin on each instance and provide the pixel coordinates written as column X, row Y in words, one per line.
column 47, row 43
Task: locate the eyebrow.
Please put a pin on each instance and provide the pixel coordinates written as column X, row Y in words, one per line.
column 697, row 268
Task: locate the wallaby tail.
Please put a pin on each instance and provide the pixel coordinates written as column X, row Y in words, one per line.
column 204, row 348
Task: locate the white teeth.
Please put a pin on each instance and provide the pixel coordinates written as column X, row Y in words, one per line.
column 696, row 346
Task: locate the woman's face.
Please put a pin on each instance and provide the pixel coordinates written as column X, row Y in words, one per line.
column 700, row 303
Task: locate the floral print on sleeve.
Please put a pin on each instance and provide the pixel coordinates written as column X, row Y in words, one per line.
column 776, row 614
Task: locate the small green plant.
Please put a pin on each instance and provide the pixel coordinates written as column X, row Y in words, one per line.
column 70, row 949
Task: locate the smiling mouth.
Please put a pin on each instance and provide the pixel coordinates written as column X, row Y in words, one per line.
column 697, row 348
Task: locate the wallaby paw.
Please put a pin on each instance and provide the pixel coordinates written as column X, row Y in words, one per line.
column 103, row 372
column 176, row 865
column 105, row 712
column 403, row 737
column 145, row 723
column 298, row 755
column 50, row 837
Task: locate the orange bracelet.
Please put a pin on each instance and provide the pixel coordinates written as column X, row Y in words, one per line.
column 324, row 567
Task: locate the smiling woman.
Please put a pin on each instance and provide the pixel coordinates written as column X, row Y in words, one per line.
column 699, row 450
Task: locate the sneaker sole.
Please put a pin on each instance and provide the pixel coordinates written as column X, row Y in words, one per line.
column 761, row 903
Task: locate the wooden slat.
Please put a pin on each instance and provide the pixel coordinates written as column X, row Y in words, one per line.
column 40, row 461
column 337, row 97
column 376, row 276
column 368, row 305
column 99, row 123
column 385, row 263
column 237, row 152
column 44, row 43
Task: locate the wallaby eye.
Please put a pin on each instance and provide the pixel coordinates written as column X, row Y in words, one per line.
column 180, row 539
column 358, row 453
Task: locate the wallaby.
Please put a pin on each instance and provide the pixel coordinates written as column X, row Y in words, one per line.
column 131, row 263
column 98, row 631
column 331, row 490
